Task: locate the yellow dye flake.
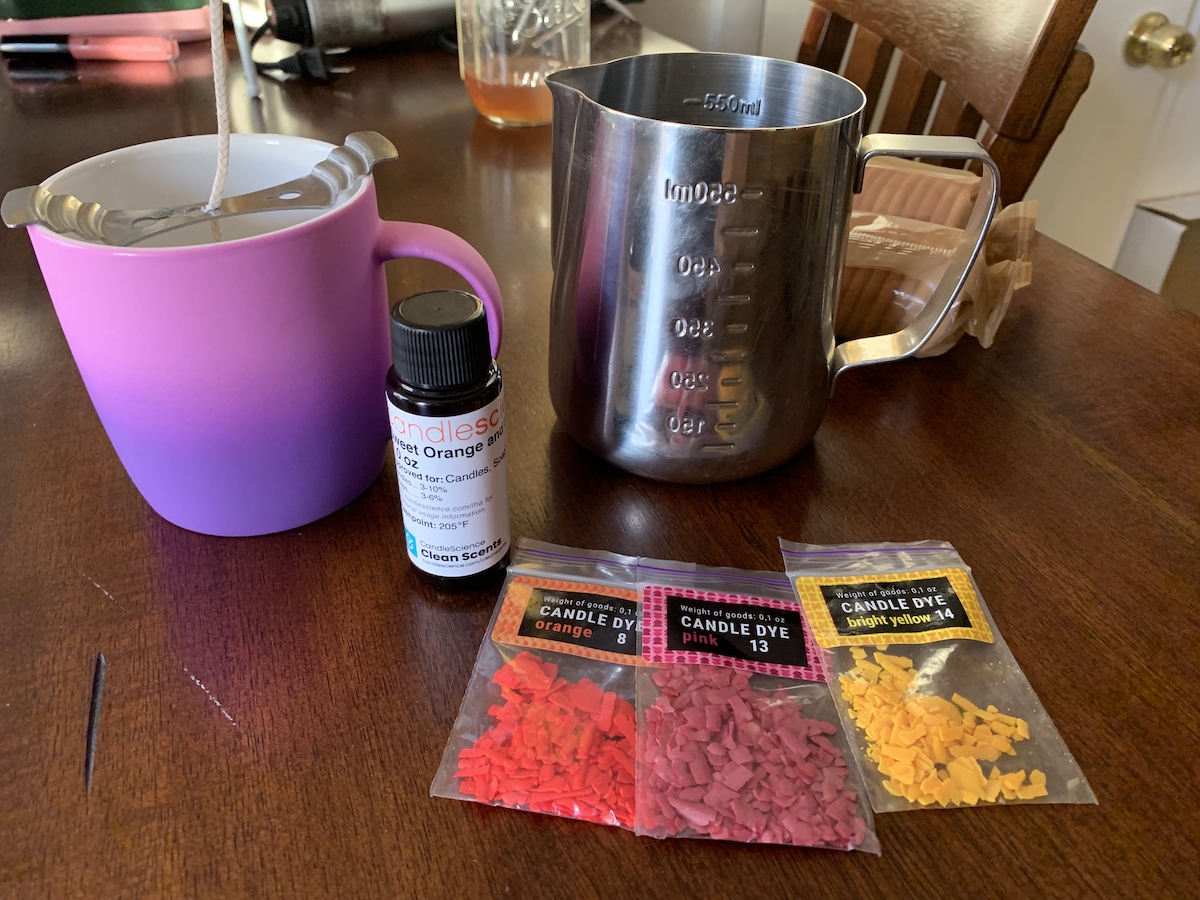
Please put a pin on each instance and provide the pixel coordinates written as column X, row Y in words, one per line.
column 930, row 748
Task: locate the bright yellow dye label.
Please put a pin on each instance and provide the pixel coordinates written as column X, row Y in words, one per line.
column 903, row 608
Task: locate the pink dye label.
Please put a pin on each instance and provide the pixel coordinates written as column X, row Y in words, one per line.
column 736, row 631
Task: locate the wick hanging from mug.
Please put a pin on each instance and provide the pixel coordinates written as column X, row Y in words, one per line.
column 217, row 34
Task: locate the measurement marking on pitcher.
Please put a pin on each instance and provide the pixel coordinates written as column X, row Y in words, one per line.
column 738, row 231
column 743, row 267
column 730, row 382
column 726, row 103
column 733, row 356
column 737, row 329
column 752, row 193
column 727, row 427
column 716, row 448
column 712, row 193
column 733, row 298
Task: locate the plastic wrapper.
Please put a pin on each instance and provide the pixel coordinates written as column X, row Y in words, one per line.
column 939, row 711
column 548, row 722
column 906, row 225
column 738, row 736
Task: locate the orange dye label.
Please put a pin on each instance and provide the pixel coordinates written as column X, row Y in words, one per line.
column 579, row 618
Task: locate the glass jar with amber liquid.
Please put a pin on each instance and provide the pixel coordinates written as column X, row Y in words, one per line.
column 506, row 48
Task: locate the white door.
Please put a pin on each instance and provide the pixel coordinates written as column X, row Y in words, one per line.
column 1135, row 135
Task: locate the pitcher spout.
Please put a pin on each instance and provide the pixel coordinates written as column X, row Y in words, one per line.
column 573, row 93
column 583, row 80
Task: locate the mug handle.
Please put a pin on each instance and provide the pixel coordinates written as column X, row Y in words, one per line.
column 904, row 343
column 406, row 239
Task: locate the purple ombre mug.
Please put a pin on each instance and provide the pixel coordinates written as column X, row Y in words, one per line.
column 241, row 382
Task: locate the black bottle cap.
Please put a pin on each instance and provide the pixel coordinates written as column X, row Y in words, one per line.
column 440, row 340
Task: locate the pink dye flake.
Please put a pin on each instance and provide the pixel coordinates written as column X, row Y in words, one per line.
column 724, row 760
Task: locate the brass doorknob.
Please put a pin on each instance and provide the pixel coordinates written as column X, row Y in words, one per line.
column 1154, row 41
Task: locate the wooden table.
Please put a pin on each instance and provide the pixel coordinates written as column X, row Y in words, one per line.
column 276, row 707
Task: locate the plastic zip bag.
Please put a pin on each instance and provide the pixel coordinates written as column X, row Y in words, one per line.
column 738, row 735
column 940, row 712
column 548, row 722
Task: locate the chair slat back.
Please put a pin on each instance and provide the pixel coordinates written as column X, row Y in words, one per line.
column 956, row 64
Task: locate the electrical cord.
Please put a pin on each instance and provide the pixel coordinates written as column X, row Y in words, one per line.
column 309, row 64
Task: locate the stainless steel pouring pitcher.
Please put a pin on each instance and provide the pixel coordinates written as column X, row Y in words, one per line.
column 699, row 222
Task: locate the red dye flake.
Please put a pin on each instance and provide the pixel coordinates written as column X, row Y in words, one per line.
column 724, row 760
column 559, row 747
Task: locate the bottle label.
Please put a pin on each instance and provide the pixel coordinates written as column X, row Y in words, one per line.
column 453, row 488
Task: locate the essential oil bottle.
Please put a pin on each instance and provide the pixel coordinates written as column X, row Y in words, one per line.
column 446, row 403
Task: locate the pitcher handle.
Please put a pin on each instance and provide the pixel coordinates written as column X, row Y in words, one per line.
column 404, row 239
column 904, row 343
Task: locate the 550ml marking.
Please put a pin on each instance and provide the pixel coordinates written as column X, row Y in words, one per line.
column 727, row 103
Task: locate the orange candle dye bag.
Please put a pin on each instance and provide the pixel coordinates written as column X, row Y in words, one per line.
column 548, row 721
column 940, row 712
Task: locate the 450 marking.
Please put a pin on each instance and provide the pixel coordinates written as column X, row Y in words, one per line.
column 697, row 265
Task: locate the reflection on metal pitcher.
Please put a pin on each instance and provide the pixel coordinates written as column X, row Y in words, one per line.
column 697, row 241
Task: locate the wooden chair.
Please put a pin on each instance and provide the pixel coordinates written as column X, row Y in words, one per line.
column 1015, row 66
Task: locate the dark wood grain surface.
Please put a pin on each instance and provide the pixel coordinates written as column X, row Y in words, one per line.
column 276, row 707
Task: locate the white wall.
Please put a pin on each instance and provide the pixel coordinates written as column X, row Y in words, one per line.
column 783, row 26
column 731, row 26
column 1135, row 135
column 765, row 27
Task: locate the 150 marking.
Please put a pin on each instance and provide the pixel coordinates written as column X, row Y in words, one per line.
column 687, row 425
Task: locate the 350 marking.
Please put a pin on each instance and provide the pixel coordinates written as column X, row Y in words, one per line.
column 693, row 327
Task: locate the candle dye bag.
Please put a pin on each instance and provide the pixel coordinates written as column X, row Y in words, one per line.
column 548, row 720
column 739, row 737
column 939, row 712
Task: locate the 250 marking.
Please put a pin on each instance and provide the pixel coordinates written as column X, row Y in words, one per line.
column 690, row 381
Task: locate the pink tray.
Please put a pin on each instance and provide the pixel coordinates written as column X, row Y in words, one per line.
column 181, row 24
